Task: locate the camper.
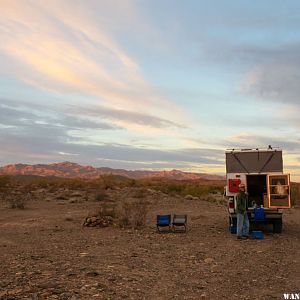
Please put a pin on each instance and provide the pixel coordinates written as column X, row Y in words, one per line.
column 261, row 170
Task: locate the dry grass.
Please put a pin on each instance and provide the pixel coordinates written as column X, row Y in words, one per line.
column 198, row 188
column 101, row 196
column 140, row 193
column 16, row 201
column 133, row 214
column 4, row 182
column 104, row 210
column 295, row 193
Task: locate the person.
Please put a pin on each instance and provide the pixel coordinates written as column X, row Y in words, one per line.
column 280, row 189
column 241, row 213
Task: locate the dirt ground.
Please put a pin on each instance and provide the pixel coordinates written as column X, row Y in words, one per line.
column 45, row 253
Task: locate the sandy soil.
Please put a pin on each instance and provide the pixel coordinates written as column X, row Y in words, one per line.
column 46, row 254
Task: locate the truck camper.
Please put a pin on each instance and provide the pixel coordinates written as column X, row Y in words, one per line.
column 261, row 170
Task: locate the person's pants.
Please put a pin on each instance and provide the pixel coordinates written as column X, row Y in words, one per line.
column 242, row 224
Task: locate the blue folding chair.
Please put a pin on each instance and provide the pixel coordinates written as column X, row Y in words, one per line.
column 163, row 221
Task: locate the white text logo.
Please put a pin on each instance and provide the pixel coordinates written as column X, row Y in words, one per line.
column 291, row 296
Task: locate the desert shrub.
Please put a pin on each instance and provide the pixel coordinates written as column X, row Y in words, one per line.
column 140, row 193
column 125, row 214
column 139, row 214
column 42, row 183
column 133, row 214
column 202, row 190
column 104, row 210
column 295, row 193
column 101, row 195
column 27, row 188
column 16, row 201
column 131, row 182
column 109, row 181
column 4, row 182
column 76, row 183
column 183, row 188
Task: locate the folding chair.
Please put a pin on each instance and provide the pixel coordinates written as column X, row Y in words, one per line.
column 179, row 220
column 163, row 221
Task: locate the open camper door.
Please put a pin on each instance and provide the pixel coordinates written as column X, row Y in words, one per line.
column 279, row 191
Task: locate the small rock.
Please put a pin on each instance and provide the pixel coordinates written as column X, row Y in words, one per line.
column 208, row 260
column 190, row 197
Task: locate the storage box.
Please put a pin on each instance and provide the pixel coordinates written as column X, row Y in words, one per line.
column 234, row 185
column 266, row 201
column 259, row 213
column 257, row 235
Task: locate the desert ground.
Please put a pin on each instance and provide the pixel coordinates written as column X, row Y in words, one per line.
column 46, row 253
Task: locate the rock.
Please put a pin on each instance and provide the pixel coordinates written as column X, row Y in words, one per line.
column 39, row 191
column 190, row 197
column 93, row 219
column 77, row 194
column 92, row 273
column 100, row 221
column 72, row 201
column 208, row 260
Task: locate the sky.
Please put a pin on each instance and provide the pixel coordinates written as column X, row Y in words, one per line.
column 150, row 85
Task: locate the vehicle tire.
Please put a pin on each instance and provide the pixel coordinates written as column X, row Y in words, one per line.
column 277, row 226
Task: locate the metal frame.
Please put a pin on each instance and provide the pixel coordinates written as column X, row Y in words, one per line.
column 269, row 190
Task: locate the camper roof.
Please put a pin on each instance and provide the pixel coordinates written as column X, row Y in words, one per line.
column 254, row 161
column 270, row 149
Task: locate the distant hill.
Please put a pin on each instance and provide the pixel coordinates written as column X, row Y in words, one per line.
column 74, row 170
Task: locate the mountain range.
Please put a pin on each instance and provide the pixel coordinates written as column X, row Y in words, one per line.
column 74, row 170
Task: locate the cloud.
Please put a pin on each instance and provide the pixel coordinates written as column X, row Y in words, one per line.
column 253, row 140
column 22, row 119
column 73, row 122
column 77, row 117
column 124, row 115
column 269, row 72
column 51, row 143
column 45, row 134
column 65, row 47
column 276, row 79
column 13, row 117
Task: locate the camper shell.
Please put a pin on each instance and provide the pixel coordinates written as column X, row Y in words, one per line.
column 261, row 170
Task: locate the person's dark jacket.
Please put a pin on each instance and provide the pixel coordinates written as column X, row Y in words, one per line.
column 241, row 202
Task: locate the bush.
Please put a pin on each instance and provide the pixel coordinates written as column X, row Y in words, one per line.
column 125, row 214
column 133, row 214
column 295, row 193
column 101, row 196
column 109, row 181
column 16, row 201
column 104, row 210
column 195, row 188
column 139, row 193
column 4, row 182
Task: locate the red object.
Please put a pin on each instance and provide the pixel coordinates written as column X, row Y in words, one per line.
column 234, row 185
column 231, row 204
